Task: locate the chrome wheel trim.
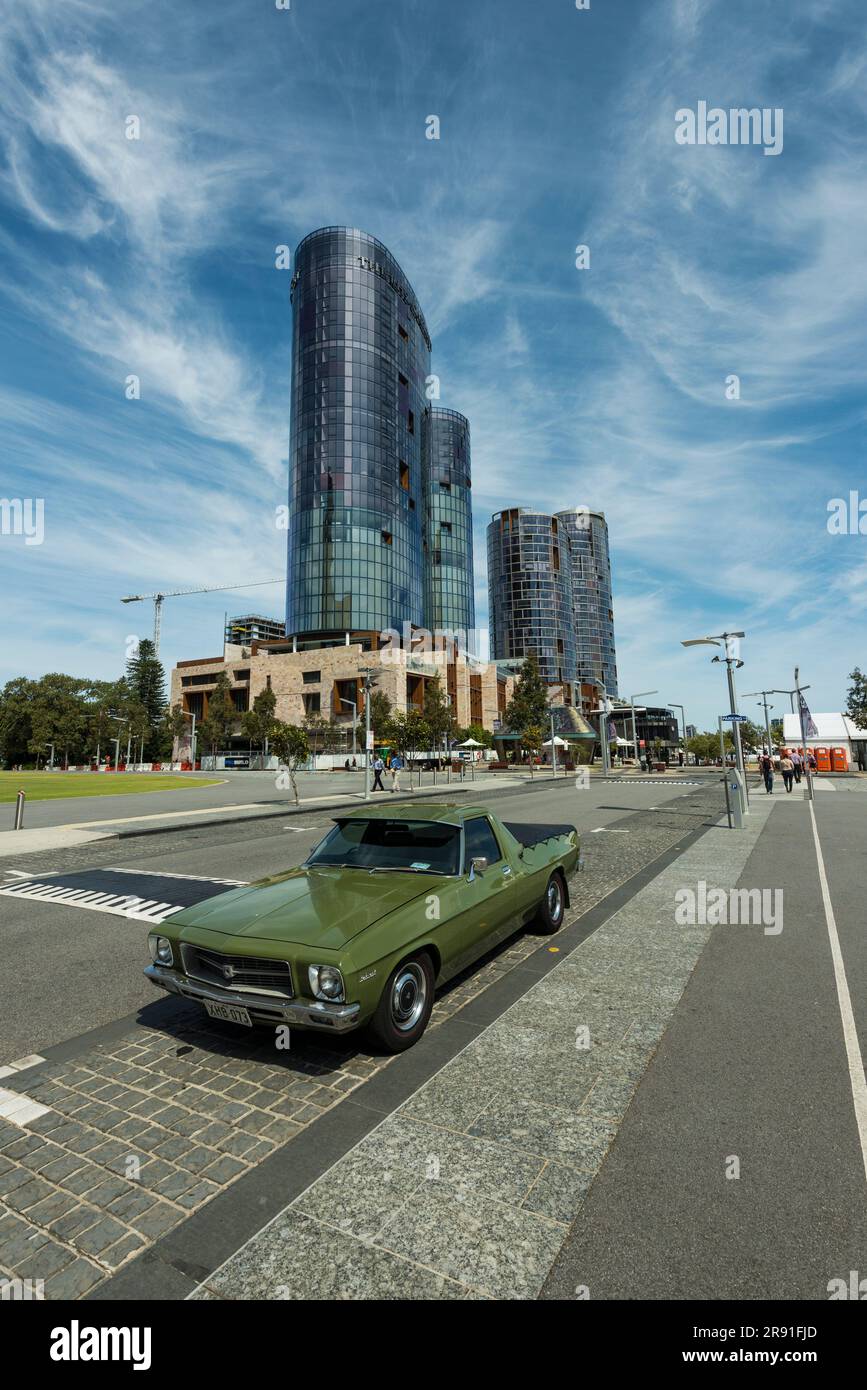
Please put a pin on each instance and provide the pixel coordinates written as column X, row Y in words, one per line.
column 408, row 996
column 555, row 900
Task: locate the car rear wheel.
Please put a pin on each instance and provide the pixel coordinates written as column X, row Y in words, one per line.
column 552, row 908
column 404, row 1008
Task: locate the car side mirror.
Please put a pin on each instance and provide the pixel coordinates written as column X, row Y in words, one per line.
column 478, row 865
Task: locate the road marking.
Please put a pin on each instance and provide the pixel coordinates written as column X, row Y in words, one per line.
column 19, row 1110
column 857, row 1079
column 140, row 895
column 604, row 830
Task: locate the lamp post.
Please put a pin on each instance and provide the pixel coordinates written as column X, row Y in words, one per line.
column 674, row 705
column 367, row 686
column 603, row 712
column 732, row 661
column 51, row 762
column 764, row 701
column 639, row 696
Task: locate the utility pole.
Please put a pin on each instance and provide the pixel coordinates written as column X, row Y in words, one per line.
column 674, row 705
column 764, row 694
column 632, row 699
column 804, row 736
column 553, row 750
column 368, row 686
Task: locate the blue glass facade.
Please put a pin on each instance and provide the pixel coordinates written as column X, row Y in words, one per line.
column 593, row 604
column 549, row 581
column 530, row 592
column 449, row 597
column 359, row 439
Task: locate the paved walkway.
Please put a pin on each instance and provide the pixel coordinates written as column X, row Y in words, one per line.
column 470, row 1188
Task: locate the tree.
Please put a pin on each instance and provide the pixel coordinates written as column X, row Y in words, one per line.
column 752, row 736
column 258, row 722
column 438, row 714
column 16, row 732
column 409, row 733
column 293, row 749
column 316, row 728
column 218, row 725
column 174, row 725
column 380, row 712
column 146, row 680
column 528, row 707
column 856, row 699
column 531, row 742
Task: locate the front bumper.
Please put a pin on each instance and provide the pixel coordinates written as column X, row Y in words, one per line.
column 315, row 1013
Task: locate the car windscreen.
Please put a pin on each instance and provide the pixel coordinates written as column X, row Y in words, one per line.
column 420, row 846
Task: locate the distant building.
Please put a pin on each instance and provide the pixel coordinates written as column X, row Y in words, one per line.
column 531, row 604
column 252, row 627
column 591, row 596
column 450, row 590
column 549, row 582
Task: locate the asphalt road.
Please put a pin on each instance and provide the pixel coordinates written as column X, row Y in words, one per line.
column 753, row 1068
column 77, row 970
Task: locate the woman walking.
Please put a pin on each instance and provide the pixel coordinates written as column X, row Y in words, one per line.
column 767, row 766
column 787, row 767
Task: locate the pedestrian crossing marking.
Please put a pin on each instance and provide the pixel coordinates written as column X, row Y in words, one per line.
column 140, row 895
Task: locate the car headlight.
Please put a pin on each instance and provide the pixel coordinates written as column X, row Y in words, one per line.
column 161, row 950
column 326, row 982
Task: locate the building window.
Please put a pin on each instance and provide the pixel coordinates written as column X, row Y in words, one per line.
column 402, row 331
column 312, row 702
column 387, row 538
column 410, row 422
column 404, row 475
column 309, row 677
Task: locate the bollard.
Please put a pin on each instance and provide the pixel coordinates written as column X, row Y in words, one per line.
column 19, row 810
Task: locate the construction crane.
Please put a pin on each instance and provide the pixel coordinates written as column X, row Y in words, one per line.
column 176, row 593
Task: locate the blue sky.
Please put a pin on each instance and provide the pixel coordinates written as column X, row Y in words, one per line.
column 603, row 387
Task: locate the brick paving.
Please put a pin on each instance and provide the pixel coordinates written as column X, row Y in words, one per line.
column 140, row 1132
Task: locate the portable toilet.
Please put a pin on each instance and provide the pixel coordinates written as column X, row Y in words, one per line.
column 839, row 760
column 823, row 759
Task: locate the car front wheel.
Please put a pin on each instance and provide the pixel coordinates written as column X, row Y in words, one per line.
column 552, row 908
column 405, row 1006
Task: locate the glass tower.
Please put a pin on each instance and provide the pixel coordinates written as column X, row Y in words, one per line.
column 359, row 438
column 449, row 594
column 530, row 590
column 591, row 594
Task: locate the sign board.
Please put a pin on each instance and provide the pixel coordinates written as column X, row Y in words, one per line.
column 370, row 740
column 739, row 717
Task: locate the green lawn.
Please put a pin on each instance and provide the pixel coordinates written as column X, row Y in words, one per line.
column 45, row 786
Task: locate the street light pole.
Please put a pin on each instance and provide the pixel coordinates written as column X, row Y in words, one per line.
column 553, row 749
column 726, row 639
column 354, row 705
column 764, row 694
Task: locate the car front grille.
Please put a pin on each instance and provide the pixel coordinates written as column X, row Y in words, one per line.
column 243, row 974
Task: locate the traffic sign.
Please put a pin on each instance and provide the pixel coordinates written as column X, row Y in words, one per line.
column 739, row 717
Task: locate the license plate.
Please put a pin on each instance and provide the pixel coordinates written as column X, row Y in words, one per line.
column 229, row 1013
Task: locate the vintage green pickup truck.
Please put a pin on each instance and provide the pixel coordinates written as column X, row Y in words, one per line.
column 393, row 902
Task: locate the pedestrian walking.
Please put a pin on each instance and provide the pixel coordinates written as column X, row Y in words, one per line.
column 811, row 761
column 787, row 767
column 378, row 769
column 767, row 765
column 396, row 769
column 797, row 764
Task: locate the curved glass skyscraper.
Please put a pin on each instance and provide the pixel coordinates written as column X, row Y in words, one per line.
column 530, row 590
column 449, row 596
column 358, row 446
column 592, row 600
column 549, row 579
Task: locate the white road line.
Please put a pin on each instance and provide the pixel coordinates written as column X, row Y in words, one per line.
column 857, row 1079
column 164, row 873
column 605, row 830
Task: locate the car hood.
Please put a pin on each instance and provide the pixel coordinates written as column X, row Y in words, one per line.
column 322, row 906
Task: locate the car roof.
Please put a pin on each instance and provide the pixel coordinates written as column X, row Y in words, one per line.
column 446, row 812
